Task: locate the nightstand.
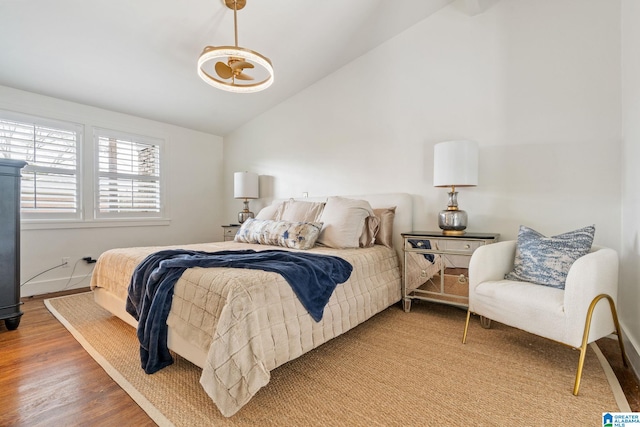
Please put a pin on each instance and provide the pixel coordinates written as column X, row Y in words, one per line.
column 436, row 267
column 230, row 231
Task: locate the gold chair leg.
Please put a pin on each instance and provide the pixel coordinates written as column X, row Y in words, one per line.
column 466, row 327
column 585, row 337
column 583, row 353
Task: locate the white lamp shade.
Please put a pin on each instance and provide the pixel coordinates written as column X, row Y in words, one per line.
column 455, row 163
column 245, row 185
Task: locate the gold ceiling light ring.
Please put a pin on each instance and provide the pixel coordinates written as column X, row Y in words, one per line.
column 211, row 53
column 229, row 63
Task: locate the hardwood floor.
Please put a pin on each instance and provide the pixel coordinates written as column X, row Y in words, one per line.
column 47, row 378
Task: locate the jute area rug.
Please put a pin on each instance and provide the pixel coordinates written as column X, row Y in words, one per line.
column 396, row 369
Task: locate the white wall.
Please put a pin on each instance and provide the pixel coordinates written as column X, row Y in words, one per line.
column 193, row 179
column 536, row 83
column 629, row 298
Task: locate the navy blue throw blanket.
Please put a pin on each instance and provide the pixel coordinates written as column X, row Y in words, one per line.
column 312, row 277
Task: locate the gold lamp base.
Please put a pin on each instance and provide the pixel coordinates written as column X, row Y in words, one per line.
column 245, row 213
column 453, row 232
column 452, row 221
column 243, row 216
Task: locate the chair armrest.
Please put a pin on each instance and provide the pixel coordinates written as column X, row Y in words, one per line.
column 491, row 262
column 589, row 276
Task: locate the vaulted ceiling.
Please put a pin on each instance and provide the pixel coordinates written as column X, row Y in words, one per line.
column 139, row 57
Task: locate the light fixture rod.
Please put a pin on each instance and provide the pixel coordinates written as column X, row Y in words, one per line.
column 235, row 19
column 235, row 30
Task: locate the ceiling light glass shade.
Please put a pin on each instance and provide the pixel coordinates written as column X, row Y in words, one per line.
column 213, row 54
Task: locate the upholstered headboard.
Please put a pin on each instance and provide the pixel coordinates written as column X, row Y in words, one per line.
column 403, row 221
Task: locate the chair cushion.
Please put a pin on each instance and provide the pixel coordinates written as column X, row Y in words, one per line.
column 547, row 260
column 516, row 295
column 536, row 309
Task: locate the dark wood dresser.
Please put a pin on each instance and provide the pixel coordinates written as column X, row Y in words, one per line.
column 10, row 242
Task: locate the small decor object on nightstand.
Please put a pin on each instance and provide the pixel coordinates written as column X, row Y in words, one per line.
column 455, row 164
column 245, row 186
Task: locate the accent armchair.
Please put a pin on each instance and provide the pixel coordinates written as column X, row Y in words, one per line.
column 571, row 316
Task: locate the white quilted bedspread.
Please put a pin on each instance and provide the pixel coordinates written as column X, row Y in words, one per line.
column 251, row 321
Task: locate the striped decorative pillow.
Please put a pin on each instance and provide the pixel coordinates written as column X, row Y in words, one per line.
column 546, row 260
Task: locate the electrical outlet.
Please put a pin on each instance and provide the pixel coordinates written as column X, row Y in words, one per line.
column 65, row 262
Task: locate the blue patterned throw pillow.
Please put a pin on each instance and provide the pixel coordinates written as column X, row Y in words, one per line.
column 546, row 260
column 295, row 235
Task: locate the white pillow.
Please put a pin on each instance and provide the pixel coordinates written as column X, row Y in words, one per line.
column 269, row 212
column 343, row 221
column 299, row 211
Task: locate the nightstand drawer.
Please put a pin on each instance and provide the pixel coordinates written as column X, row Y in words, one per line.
column 421, row 244
column 230, row 231
column 458, row 246
column 465, row 246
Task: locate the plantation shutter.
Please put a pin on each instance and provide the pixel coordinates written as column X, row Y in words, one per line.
column 49, row 187
column 128, row 177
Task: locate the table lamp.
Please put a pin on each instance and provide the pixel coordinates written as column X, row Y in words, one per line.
column 245, row 186
column 455, row 164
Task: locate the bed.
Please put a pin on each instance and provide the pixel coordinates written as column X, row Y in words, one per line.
column 238, row 325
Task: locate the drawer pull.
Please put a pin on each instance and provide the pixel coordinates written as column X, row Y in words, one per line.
column 467, row 246
column 462, row 279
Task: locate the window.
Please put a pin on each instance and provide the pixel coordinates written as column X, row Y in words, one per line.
column 50, row 181
column 128, row 175
column 118, row 178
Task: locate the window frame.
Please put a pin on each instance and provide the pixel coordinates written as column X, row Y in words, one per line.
column 77, row 173
column 129, row 137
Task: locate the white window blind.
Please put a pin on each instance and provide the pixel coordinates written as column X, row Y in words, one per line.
column 128, row 179
column 50, row 186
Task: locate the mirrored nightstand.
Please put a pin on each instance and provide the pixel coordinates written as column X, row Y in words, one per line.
column 436, row 267
column 230, row 231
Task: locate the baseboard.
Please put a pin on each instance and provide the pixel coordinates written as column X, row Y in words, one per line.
column 56, row 294
column 633, row 352
column 43, row 287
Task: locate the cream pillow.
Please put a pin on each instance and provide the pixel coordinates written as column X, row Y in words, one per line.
column 369, row 231
column 385, row 232
column 343, row 221
column 269, row 212
column 298, row 211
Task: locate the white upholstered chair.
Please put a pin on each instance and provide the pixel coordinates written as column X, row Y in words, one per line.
column 571, row 316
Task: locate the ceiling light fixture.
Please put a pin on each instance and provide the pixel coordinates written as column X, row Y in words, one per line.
column 229, row 74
